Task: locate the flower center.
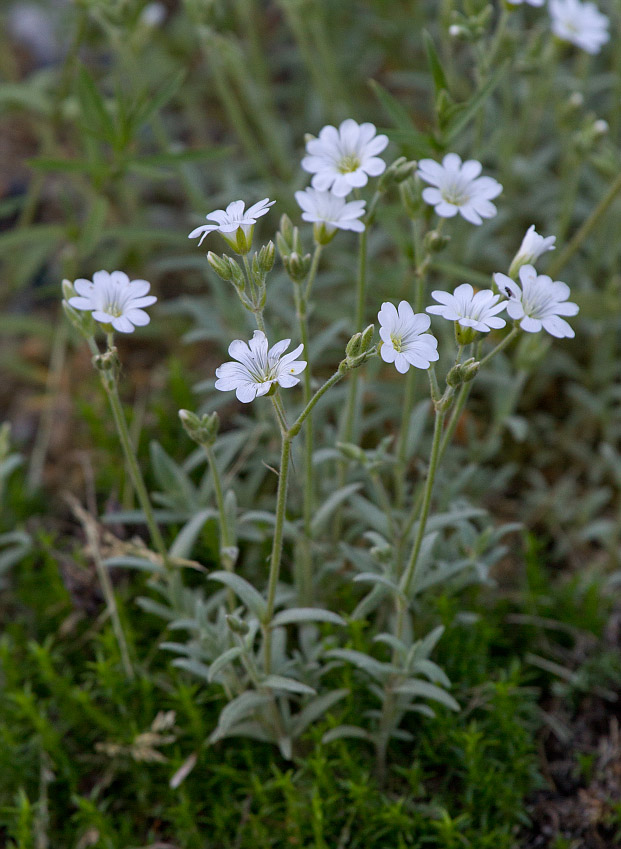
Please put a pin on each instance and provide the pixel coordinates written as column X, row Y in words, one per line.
column 113, row 308
column 455, row 193
column 397, row 342
column 348, row 163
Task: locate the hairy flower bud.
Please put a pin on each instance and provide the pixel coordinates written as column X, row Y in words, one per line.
column 237, row 625
column 220, row 265
column 401, row 169
column 203, row 430
column 267, row 255
column 435, row 241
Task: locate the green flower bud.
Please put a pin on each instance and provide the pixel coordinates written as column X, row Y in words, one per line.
column 434, row 241
column 352, row 452
column 237, row 275
column 285, row 233
column 220, row 265
column 367, row 338
column 455, row 375
column 401, row 169
column 352, row 349
column 267, row 255
column 237, row 625
column 203, row 430
column 411, row 198
column 470, row 369
column 297, row 266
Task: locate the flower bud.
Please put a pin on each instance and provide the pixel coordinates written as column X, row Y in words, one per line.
column 455, row 375
column 401, row 169
column 68, row 290
column 237, row 625
column 220, row 265
column 267, row 255
column 352, row 349
column 470, row 369
column 228, row 556
column 352, row 452
column 434, row 241
column 297, row 266
column 366, row 338
column 237, row 276
column 411, row 198
column 203, row 430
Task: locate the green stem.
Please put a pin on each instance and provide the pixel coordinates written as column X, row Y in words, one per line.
column 410, row 571
column 109, row 384
column 281, row 501
column 589, row 225
column 225, row 537
column 500, row 347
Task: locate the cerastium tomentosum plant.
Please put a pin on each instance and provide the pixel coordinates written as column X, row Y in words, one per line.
column 264, row 643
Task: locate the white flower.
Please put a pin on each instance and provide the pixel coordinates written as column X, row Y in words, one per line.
column 114, row 299
column 530, row 2
column 459, row 188
column 344, row 159
column 539, row 303
column 404, row 341
column 233, row 224
column 532, row 247
column 477, row 310
column 330, row 212
column 257, row 369
column 581, row 23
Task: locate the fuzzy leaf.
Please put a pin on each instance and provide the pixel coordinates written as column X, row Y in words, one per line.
column 425, row 690
column 253, row 600
column 239, row 708
column 219, row 663
column 187, row 536
column 306, row 614
column 316, row 708
column 373, row 667
column 290, row 685
column 341, row 731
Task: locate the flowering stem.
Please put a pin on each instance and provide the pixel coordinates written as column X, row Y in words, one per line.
column 258, row 310
column 410, row 572
column 108, row 380
column 570, row 249
column 500, row 347
column 302, row 296
column 281, row 501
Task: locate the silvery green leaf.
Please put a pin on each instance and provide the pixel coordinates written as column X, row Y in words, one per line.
column 251, row 729
column 346, row 731
column 425, row 690
column 171, row 477
column 246, row 592
column 326, row 511
column 264, row 516
column 371, row 514
column 220, row 662
column 286, row 748
column 187, row 536
column 154, row 607
column 290, row 685
column 432, row 671
column 370, row 602
column 316, row 708
column 307, row 614
column 431, row 640
column 129, row 562
column 373, row 578
column 241, row 707
column 230, row 514
column 392, row 641
column 194, row 666
column 373, row 667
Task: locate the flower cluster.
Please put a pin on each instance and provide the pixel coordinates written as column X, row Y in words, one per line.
column 340, row 159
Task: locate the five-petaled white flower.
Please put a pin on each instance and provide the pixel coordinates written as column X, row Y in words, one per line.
column 233, row 224
column 539, row 303
column 329, row 212
column 344, row 159
column 458, row 188
column 581, row 23
column 477, row 310
column 258, row 369
column 404, row 340
column 114, row 299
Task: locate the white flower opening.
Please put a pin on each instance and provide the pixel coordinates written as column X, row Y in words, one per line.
column 405, row 341
column 478, row 310
column 257, row 369
column 330, row 213
column 343, row 159
column 234, row 224
column 113, row 299
column 458, row 188
column 581, row 24
column 539, row 303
